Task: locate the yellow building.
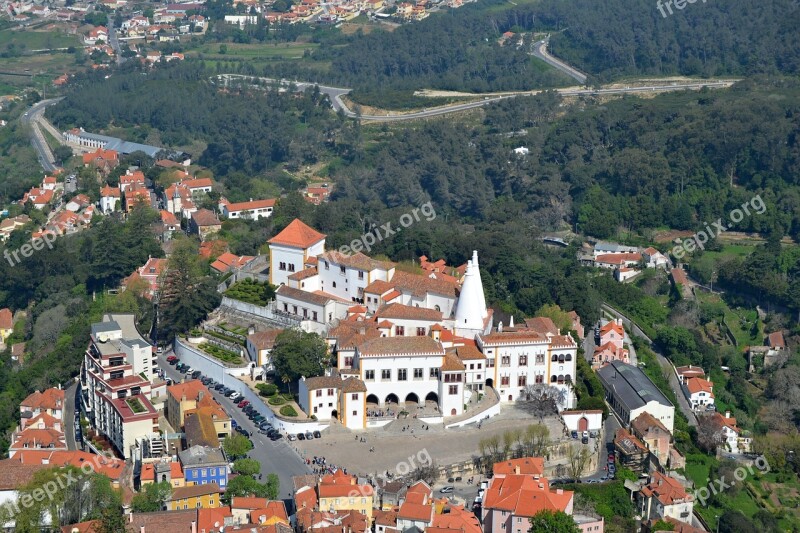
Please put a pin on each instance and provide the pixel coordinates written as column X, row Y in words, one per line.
column 194, row 397
column 340, row 492
column 6, row 324
column 195, row 497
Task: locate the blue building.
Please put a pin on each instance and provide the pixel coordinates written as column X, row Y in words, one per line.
column 203, row 465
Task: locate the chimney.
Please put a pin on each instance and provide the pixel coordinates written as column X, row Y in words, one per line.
column 200, row 395
column 727, row 414
column 500, row 327
column 511, row 322
column 194, row 526
column 130, row 518
column 141, row 529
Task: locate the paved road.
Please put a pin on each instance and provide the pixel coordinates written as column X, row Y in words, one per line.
column 275, row 457
column 539, row 50
column 113, row 40
column 335, row 95
column 69, row 416
column 30, row 118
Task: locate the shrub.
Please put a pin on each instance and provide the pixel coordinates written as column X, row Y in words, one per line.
column 267, row 389
column 288, row 410
column 276, row 400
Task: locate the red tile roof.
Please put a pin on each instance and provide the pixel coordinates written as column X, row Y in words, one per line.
column 525, row 465
column 667, row 490
column 407, row 312
column 695, row 385
column 525, row 496
column 251, row 205
column 49, row 399
column 6, row 319
column 298, row 235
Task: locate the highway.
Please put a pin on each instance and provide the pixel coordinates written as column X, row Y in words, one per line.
column 539, row 50
column 30, row 118
column 277, row 457
column 335, row 96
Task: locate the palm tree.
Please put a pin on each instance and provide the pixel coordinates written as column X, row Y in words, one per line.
column 287, row 381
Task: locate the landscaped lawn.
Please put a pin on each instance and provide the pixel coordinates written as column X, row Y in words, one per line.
column 251, row 292
column 221, row 354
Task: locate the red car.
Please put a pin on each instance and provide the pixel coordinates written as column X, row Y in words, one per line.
column 243, row 404
column 171, row 358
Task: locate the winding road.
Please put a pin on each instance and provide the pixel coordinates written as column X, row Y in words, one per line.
column 31, row 119
column 539, row 50
column 335, row 95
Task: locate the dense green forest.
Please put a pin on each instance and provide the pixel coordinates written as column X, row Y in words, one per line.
column 244, row 130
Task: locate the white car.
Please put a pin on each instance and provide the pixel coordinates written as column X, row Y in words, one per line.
column 235, row 396
column 447, row 489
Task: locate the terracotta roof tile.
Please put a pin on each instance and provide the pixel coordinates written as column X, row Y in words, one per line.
column 407, row 312
column 298, row 235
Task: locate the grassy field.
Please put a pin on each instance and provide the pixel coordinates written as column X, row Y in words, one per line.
column 255, row 52
column 37, row 40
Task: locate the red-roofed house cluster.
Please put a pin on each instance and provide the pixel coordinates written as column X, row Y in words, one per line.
column 41, row 424
column 625, row 261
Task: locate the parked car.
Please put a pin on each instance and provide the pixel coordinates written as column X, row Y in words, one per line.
column 574, row 434
column 585, row 440
column 172, row 359
column 234, row 424
column 264, row 432
column 317, row 434
column 451, row 480
column 242, row 404
column 179, row 367
column 160, row 349
column 236, row 395
column 219, row 387
column 309, row 435
column 458, row 478
column 301, row 436
column 292, row 437
column 243, row 431
column 594, row 433
column 611, row 457
column 196, row 374
column 447, row 489
column 276, row 436
column 585, row 435
column 169, row 382
column 229, row 392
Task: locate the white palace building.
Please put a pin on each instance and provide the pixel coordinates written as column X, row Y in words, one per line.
column 405, row 340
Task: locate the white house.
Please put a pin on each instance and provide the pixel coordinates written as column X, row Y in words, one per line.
column 665, row 497
column 654, row 259
column 290, row 249
column 699, row 392
column 110, row 199
column 259, row 345
column 346, row 276
column 251, row 210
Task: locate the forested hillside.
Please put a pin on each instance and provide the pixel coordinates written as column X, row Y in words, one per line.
column 244, row 131
column 616, row 38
